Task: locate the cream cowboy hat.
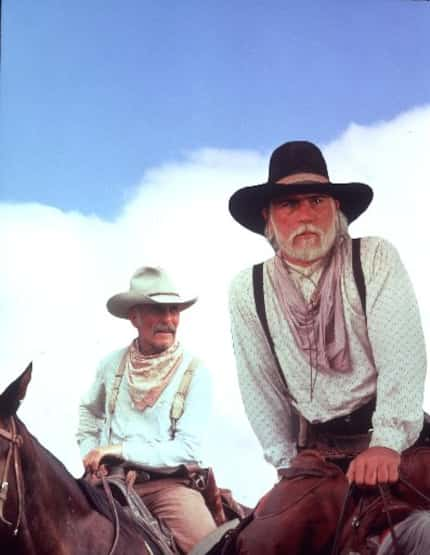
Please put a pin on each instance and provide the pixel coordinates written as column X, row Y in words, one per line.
column 148, row 285
column 302, row 168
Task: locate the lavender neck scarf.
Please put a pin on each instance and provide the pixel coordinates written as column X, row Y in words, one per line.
column 318, row 327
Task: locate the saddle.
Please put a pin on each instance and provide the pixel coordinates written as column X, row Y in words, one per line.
column 219, row 501
column 133, row 505
column 128, row 482
column 279, row 522
column 118, row 487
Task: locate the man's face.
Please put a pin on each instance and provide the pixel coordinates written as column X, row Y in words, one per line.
column 304, row 226
column 156, row 324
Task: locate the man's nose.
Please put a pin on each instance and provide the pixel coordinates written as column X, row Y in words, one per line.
column 167, row 314
column 306, row 212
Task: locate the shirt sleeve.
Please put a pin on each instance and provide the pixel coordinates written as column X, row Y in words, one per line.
column 92, row 414
column 186, row 447
column 262, row 390
column 397, row 341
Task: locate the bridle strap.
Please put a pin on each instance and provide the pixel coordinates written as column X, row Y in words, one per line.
column 15, row 441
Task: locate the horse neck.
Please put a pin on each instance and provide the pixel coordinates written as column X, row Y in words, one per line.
column 50, row 492
column 44, row 476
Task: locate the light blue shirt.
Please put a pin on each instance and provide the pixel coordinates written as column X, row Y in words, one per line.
column 145, row 435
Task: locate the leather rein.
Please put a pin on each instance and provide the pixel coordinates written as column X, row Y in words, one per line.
column 382, row 489
column 12, row 457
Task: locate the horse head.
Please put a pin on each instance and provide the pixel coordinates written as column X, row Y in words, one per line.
column 10, row 443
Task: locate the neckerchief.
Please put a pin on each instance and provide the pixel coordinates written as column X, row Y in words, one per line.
column 318, row 326
column 148, row 375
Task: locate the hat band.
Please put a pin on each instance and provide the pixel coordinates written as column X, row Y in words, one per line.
column 163, row 293
column 299, row 177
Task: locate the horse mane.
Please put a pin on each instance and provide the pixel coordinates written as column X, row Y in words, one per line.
column 413, row 534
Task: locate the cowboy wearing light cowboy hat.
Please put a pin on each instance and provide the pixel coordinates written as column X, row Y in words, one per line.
column 327, row 335
column 128, row 410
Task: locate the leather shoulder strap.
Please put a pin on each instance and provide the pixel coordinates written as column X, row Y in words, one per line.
column 116, row 383
column 358, row 272
column 257, row 281
column 178, row 403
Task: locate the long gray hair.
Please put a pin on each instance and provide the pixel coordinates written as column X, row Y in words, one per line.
column 413, row 535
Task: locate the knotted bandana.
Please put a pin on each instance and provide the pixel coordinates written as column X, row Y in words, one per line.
column 149, row 375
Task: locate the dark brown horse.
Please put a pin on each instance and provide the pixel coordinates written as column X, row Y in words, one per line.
column 43, row 509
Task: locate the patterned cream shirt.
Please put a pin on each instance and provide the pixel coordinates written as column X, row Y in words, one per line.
column 395, row 336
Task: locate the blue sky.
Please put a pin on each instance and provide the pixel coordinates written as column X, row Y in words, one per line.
column 126, row 126
column 94, row 93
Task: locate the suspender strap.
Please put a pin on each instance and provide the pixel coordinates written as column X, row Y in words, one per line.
column 358, row 272
column 257, row 281
column 116, row 383
column 178, row 403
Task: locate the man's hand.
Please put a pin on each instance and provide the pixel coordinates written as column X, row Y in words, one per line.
column 376, row 465
column 92, row 459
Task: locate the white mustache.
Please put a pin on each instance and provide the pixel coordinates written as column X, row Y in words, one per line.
column 306, row 228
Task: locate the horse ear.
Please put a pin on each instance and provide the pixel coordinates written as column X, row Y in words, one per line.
column 24, row 380
column 15, row 393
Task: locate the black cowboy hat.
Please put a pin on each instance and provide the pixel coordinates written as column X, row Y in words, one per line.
column 302, row 165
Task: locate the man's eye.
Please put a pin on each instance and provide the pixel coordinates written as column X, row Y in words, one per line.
column 289, row 203
column 318, row 200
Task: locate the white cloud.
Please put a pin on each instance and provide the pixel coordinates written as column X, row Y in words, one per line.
column 60, row 268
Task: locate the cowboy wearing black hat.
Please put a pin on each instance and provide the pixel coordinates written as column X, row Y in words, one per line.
column 327, row 335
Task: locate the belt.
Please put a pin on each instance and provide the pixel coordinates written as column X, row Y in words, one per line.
column 357, row 422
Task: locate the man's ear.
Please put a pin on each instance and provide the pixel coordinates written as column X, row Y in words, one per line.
column 337, row 203
column 133, row 316
column 265, row 213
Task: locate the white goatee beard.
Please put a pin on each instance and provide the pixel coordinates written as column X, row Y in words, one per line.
column 339, row 228
column 308, row 254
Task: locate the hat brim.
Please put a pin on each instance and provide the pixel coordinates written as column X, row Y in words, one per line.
column 120, row 305
column 246, row 204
